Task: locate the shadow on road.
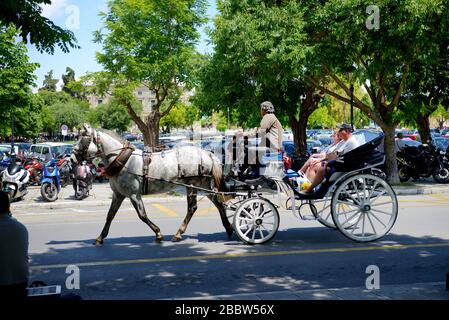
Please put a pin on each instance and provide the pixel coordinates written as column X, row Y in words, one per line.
column 127, row 267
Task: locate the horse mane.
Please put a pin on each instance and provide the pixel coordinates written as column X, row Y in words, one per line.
column 112, row 134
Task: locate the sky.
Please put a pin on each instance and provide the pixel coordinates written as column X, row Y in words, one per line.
column 82, row 18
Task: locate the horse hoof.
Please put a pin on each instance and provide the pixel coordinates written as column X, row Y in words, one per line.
column 176, row 239
column 98, row 243
column 159, row 239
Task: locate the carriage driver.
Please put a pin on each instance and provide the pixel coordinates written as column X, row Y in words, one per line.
column 270, row 127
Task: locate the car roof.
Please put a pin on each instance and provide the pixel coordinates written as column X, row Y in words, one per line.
column 52, row 144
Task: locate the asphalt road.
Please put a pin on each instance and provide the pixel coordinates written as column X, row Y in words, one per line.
column 304, row 255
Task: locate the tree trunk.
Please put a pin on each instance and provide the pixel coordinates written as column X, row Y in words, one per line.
column 151, row 130
column 423, row 123
column 391, row 165
column 299, row 133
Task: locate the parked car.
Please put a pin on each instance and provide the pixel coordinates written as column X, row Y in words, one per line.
column 49, row 150
column 138, row 145
column 441, row 143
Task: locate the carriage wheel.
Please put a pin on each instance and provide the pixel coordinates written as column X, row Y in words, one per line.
column 364, row 207
column 256, row 221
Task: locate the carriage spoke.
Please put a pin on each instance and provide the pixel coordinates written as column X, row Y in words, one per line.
column 371, row 222
column 379, row 220
column 248, row 213
column 383, row 203
column 380, row 211
column 347, row 203
column 261, row 233
column 254, row 234
column 350, row 218
column 363, row 225
column 373, row 189
column 357, row 222
column 378, row 196
column 247, row 231
column 350, row 211
column 356, row 191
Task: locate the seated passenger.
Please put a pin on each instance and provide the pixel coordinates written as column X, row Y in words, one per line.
column 314, row 158
column 319, row 168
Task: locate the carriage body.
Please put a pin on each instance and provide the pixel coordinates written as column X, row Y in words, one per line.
column 355, row 199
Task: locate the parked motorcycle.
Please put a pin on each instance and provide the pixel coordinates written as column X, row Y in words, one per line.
column 65, row 167
column 421, row 161
column 15, row 180
column 83, row 179
column 51, row 181
column 34, row 167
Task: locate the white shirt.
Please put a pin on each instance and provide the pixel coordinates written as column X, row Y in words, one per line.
column 348, row 145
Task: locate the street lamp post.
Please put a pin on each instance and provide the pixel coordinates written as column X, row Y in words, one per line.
column 352, row 106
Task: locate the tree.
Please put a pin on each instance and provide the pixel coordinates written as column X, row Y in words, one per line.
column 49, row 82
column 111, row 116
column 71, row 114
column 152, row 43
column 38, row 30
column 16, row 77
column 441, row 114
column 67, row 78
column 381, row 58
column 181, row 116
column 260, row 54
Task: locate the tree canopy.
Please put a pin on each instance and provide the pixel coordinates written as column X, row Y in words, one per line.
column 152, row 43
column 26, row 15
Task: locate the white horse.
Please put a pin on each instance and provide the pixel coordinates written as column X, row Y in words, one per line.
column 189, row 165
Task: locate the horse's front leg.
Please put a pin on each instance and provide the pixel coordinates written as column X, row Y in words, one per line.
column 117, row 200
column 191, row 208
column 137, row 202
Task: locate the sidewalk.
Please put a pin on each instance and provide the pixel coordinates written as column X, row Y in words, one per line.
column 416, row 291
column 101, row 195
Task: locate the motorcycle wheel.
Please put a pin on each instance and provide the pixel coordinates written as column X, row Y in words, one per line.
column 80, row 194
column 404, row 176
column 441, row 175
column 49, row 192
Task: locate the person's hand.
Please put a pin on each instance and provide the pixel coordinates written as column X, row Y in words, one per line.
column 315, row 162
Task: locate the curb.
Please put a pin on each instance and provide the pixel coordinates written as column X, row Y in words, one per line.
column 420, row 190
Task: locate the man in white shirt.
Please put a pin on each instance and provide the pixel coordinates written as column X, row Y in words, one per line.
column 319, row 166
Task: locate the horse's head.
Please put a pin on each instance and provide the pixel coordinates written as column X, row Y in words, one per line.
column 86, row 147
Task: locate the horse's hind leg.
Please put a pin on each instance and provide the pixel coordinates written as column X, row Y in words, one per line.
column 117, row 200
column 191, row 208
column 222, row 211
column 137, row 202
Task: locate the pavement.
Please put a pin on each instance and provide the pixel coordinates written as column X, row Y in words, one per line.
column 101, row 195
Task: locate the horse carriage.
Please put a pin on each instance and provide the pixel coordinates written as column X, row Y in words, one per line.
column 355, row 198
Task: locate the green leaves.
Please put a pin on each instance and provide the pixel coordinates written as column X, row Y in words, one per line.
column 38, row 30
